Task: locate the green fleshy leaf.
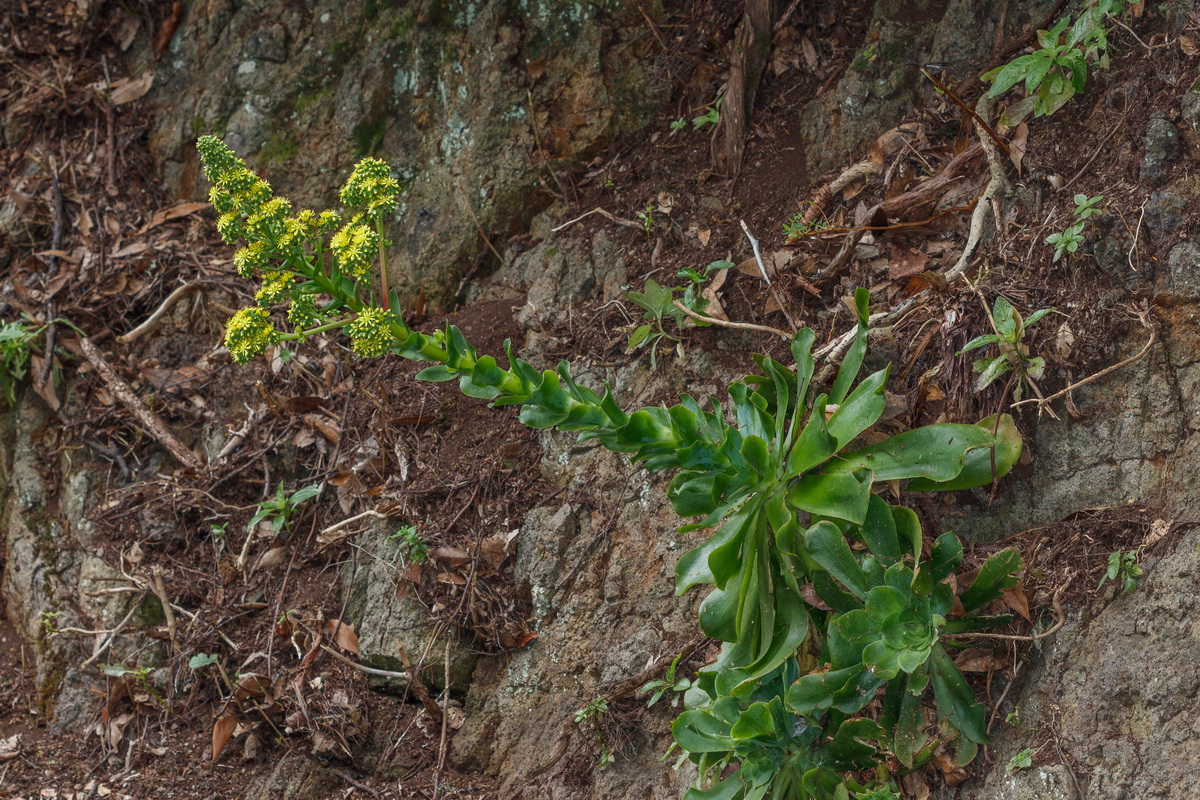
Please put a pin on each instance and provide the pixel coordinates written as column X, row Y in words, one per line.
column 945, row 556
column 840, row 495
column 977, row 466
column 955, row 700
column 994, row 577
column 828, row 547
column 860, row 410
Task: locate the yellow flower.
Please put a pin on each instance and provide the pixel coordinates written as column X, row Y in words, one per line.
column 248, row 333
column 303, row 311
column 254, row 256
column 274, row 286
column 354, row 247
column 371, row 333
column 371, row 184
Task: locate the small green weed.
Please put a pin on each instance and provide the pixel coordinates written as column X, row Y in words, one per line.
column 646, row 215
column 1022, row 760
column 1123, row 567
column 16, row 346
column 797, row 227
column 1014, row 352
column 1013, row 717
column 711, row 115
column 1058, row 70
column 412, row 546
column 668, row 683
column 202, row 660
column 280, row 509
column 1069, row 240
column 659, row 305
column 678, row 125
column 592, row 716
column 49, row 621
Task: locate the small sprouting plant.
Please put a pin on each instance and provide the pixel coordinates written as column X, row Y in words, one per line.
column 280, row 509
column 202, row 660
column 1013, row 717
column 668, row 683
column 1085, row 207
column 659, row 304
column 412, row 546
column 1058, row 70
column 15, row 340
column 16, row 345
column 1072, row 236
column 1009, row 338
column 646, row 215
column 49, row 622
column 1123, row 567
column 592, row 716
column 711, row 115
column 1022, row 760
column 798, row 226
column 678, row 125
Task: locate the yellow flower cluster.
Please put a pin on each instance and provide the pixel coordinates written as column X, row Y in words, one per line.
column 275, row 286
column 248, row 333
column 302, row 313
column 371, row 184
column 355, row 247
column 371, row 333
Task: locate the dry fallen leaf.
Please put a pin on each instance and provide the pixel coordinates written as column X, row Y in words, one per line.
column 1158, row 529
column 1014, row 597
column 271, row 559
column 126, row 90
column 342, row 633
column 173, row 212
column 10, row 748
column 904, row 262
column 1017, row 144
column 979, row 661
column 222, row 732
column 452, row 555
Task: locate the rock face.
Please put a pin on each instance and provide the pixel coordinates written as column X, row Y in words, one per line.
column 1120, row 691
column 883, row 83
column 473, row 103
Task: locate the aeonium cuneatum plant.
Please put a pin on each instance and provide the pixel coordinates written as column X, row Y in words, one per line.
column 775, row 473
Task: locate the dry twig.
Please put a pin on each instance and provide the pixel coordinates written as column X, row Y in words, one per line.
column 154, row 426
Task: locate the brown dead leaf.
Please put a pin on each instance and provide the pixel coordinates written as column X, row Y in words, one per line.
column 979, row 661
column 324, row 426
column 252, row 685
column 904, row 262
column 271, row 559
column 951, row 772
column 1014, row 597
column 809, row 51
column 303, row 404
column 915, row 786
column 126, row 90
column 454, row 556
column 222, row 732
column 1017, row 144
column 10, row 748
column 704, row 236
column 342, row 633
column 451, row 578
column 173, row 212
column 809, row 593
column 1188, row 45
